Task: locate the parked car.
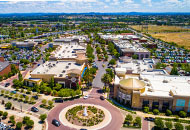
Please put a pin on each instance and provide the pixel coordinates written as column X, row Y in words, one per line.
column 7, row 84
column 59, row 100
column 34, row 109
column 149, row 118
column 56, row 122
column 14, row 92
column 86, row 97
column 35, row 97
column 102, row 97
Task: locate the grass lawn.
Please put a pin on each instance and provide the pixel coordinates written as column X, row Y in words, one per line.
column 161, row 29
column 182, row 39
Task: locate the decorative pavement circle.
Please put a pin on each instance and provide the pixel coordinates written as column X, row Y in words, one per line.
column 104, row 123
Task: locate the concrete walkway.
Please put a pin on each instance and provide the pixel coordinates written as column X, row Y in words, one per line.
column 37, row 126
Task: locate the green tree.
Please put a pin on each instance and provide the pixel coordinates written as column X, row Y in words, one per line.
column 138, row 121
column 168, row 125
column 8, row 105
column 112, row 62
column 134, row 56
column 20, row 77
column 12, row 119
column 25, row 119
column 1, row 113
column 182, row 114
column 43, row 117
column 5, row 114
column 168, row 112
column 44, row 102
column 156, row 111
column 174, row 71
column 30, row 123
column 106, row 79
column 159, row 123
column 50, row 103
column 18, row 125
column 178, row 126
column 187, row 127
column 52, row 83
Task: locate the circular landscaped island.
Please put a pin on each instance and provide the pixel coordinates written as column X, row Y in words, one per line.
column 85, row 115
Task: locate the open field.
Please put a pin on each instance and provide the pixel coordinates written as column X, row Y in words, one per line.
column 182, row 39
column 160, row 29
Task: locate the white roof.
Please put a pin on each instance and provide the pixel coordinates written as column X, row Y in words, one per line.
column 180, row 85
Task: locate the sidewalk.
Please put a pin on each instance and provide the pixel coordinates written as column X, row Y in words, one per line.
column 37, row 126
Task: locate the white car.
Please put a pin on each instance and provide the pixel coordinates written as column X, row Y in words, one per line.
column 86, row 97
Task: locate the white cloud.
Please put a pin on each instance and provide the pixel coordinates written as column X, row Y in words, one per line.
column 129, row 1
column 149, row 2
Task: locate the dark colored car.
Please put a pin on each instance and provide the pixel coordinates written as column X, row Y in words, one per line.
column 102, row 97
column 34, row 109
column 59, row 100
column 35, row 97
column 149, row 118
column 7, row 84
column 56, row 122
column 83, row 129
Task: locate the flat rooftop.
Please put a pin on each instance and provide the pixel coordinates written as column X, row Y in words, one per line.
column 67, row 51
column 161, row 85
column 58, row 68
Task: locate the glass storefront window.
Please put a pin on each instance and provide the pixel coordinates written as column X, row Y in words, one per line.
column 180, row 103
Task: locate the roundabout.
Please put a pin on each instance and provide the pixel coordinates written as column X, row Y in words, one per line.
column 88, row 116
column 112, row 118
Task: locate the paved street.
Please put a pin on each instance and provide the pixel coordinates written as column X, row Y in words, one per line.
column 115, row 124
column 145, row 125
column 101, row 71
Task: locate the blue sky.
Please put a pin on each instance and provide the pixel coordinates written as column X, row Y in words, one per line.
column 80, row 6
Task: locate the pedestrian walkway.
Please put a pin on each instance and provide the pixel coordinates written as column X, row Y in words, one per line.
column 37, row 125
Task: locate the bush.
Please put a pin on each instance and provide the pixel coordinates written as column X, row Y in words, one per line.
column 156, row 111
column 1, row 113
column 159, row 123
column 43, row 117
column 146, row 109
column 5, row 114
column 30, row 123
column 182, row 114
column 25, row 119
column 187, row 127
column 178, row 126
column 138, row 121
column 8, row 105
column 168, row 112
column 19, row 125
column 168, row 125
column 44, row 101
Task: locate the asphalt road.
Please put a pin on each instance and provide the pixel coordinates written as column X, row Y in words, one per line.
column 97, row 83
column 115, row 124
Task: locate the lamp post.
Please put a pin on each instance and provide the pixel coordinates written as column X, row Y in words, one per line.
column 21, row 107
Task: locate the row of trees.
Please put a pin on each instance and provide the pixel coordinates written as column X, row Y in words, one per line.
column 159, row 124
column 130, row 122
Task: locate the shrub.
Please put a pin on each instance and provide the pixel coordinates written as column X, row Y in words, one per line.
column 159, row 123
column 44, row 101
column 30, row 123
column 187, row 127
column 146, row 109
column 25, row 119
column 168, row 125
column 1, row 113
column 5, row 114
column 182, row 114
column 19, row 125
column 178, row 126
column 168, row 112
column 8, row 105
column 138, row 121
column 156, row 111
column 43, row 117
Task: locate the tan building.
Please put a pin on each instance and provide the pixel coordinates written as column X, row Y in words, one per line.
column 156, row 91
